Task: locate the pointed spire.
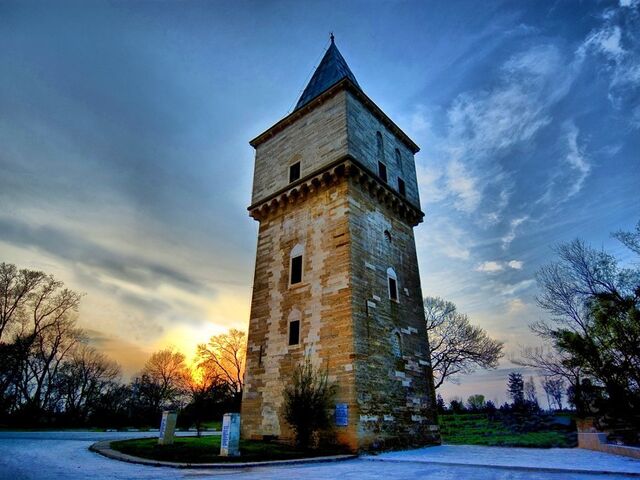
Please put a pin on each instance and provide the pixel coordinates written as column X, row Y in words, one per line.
column 331, row 70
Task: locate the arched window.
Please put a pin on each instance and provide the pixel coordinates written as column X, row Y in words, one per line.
column 294, row 321
column 295, row 264
column 392, row 282
column 380, row 147
column 399, row 161
column 396, row 344
column 382, row 167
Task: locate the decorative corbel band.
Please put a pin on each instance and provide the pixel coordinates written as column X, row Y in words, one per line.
column 346, row 167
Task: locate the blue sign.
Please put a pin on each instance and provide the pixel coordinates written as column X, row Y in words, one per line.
column 342, row 414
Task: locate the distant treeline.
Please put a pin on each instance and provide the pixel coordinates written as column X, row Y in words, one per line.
column 51, row 377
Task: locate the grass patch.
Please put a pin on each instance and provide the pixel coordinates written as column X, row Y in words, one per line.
column 213, row 425
column 206, row 450
column 479, row 429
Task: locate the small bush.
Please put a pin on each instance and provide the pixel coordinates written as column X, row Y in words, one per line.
column 307, row 401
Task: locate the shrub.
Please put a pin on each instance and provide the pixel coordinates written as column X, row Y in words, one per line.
column 307, row 401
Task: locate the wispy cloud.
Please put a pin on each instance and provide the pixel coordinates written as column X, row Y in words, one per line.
column 617, row 41
column 508, row 290
column 463, row 186
column 510, row 236
column 447, row 239
column 487, row 124
column 576, row 159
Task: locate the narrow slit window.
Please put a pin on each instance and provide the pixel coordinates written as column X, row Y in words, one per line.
column 393, row 289
column 392, row 282
column 294, row 172
column 396, row 345
column 382, row 171
column 401, row 188
column 294, row 332
column 296, row 269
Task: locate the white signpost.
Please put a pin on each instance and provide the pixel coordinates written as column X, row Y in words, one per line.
column 167, row 427
column 230, row 442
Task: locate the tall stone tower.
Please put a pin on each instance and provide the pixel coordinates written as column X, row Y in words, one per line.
column 336, row 276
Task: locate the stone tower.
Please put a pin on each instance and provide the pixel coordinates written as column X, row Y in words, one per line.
column 336, row 276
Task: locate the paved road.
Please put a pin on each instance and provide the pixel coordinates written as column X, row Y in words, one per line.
column 65, row 455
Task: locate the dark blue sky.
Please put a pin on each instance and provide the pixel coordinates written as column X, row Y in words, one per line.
column 125, row 167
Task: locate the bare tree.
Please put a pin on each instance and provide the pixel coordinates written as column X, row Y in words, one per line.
column 591, row 333
column 550, row 363
column 46, row 355
column 206, row 390
column 85, row 376
column 37, row 332
column 225, row 354
column 554, row 388
column 567, row 285
column 168, row 374
column 530, row 394
column 457, row 347
column 31, row 301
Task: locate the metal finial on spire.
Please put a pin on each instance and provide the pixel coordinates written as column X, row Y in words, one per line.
column 332, row 37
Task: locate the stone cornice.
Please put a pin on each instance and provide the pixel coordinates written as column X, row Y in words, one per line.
column 344, row 84
column 345, row 167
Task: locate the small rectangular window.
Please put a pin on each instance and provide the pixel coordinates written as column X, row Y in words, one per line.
column 401, row 187
column 296, row 269
column 294, row 172
column 393, row 289
column 294, row 332
column 382, row 171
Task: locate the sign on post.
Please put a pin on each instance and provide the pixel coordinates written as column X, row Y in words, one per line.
column 230, row 442
column 167, row 427
column 342, row 415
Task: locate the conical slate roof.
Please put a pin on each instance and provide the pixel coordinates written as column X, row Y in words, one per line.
column 331, row 70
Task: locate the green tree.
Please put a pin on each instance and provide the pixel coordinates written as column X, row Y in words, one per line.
column 515, row 389
column 593, row 329
column 476, row 402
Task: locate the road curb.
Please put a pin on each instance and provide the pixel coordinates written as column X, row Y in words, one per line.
column 104, row 448
column 506, row 467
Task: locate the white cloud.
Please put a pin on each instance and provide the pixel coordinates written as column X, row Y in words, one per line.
column 515, row 264
column 515, row 306
column 462, row 185
column 606, row 41
column 419, row 122
column 617, row 42
column 508, row 290
column 445, row 238
column 497, row 266
column 486, row 124
column 511, row 234
column 430, row 182
column 576, row 159
column 489, row 267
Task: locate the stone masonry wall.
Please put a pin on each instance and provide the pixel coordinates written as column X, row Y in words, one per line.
column 316, row 139
column 348, row 322
column 394, row 393
column 318, row 222
column 362, row 128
